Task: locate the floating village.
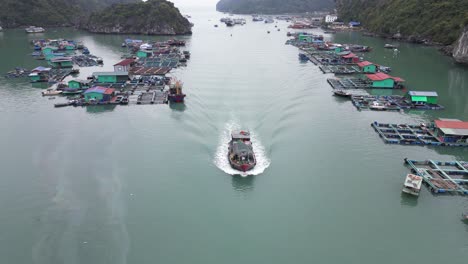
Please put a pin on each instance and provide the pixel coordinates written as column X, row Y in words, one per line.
column 354, row 77
column 139, row 78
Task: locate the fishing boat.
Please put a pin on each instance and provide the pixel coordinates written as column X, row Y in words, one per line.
column 303, row 57
column 341, row 93
column 412, row 184
column 390, row 46
column 229, row 23
column 240, row 154
column 33, row 29
column 1, row 29
column 269, row 21
column 175, row 92
column 51, row 92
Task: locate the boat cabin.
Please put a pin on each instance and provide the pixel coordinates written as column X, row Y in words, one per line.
column 422, row 98
column 412, row 184
column 241, row 135
column 451, row 130
column 367, row 67
column 111, row 77
column 144, row 53
column 382, row 80
column 99, row 94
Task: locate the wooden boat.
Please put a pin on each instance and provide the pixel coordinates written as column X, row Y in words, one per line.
column 51, row 92
column 33, row 29
column 465, row 217
column 390, row 46
column 412, row 184
column 240, row 154
column 342, row 93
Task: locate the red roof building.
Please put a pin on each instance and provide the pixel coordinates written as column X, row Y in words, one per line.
column 124, row 66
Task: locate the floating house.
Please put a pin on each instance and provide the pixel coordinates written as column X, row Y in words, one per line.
column 111, row 77
column 422, row 98
column 99, row 94
column 39, row 74
column 61, row 62
column 367, row 67
column 124, row 66
column 350, row 58
column 48, row 50
column 451, row 130
column 382, row 80
column 79, row 84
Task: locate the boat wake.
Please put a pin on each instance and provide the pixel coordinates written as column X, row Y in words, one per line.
column 221, row 157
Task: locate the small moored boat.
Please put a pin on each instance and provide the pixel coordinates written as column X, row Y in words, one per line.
column 342, row 93
column 51, row 92
column 389, row 46
column 240, row 154
column 377, row 106
column 412, row 184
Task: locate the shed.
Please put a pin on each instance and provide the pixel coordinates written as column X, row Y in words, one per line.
column 61, row 62
column 350, row 58
column 39, row 74
column 79, row 84
column 382, row 80
column 99, row 94
column 124, row 66
column 367, row 67
column 451, row 130
column 48, row 50
column 423, row 97
column 111, row 77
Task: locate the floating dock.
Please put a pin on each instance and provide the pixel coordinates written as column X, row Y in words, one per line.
column 340, row 69
column 349, row 83
column 153, row 97
column 442, row 176
column 405, row 134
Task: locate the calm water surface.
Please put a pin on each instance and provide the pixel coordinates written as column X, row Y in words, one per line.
column 149, row 184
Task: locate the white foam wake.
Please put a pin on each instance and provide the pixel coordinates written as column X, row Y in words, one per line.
column 221, row 157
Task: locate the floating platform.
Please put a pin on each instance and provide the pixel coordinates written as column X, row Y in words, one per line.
column 405, row 134
column 154, row 97
column 349, row 83
column 390, row 103
column 340, row 69
column 442, row 176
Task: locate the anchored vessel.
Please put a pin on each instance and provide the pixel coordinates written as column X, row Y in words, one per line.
column 33, row 29
column 241, row 155
column 175, row 92
column 412, row 184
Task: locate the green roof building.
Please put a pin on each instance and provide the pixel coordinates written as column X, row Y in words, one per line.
column 111, row 77
column 419, row 97
column 367, row 67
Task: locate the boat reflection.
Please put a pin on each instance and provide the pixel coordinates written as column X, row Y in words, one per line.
column 178, row 107
column 99, row 109
column 408, row 200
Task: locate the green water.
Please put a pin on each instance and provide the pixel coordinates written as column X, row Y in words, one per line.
column 150, row 184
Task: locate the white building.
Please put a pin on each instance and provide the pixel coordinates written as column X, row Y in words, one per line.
column 330, row 18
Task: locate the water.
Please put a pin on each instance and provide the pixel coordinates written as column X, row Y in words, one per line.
column 146, row 184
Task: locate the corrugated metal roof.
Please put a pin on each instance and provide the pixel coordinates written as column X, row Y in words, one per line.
column 422, row 93
column 451, row 124
column 454, row 131
column 380, row 76
column 125, row 62
column 99, row 89
column 365, row 63
column 110, row 73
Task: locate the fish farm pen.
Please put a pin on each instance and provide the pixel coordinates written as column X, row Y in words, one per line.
column 405, row 134
column 340, row 69
column 389, row 103
column 349, row 83
column 442, row 176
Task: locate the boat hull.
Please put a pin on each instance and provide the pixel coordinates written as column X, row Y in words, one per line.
column 242, row 167
column 176, row 98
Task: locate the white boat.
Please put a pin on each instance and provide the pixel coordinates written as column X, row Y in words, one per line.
column 1, row 29
column 33, row 29
column 269, row 21
column 377, row 106
column 51, row 92
column 412, row 184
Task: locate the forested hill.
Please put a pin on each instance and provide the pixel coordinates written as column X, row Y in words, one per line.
column 16, row 13
column 436, row 20
column 153, row 17
column 274, row 6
